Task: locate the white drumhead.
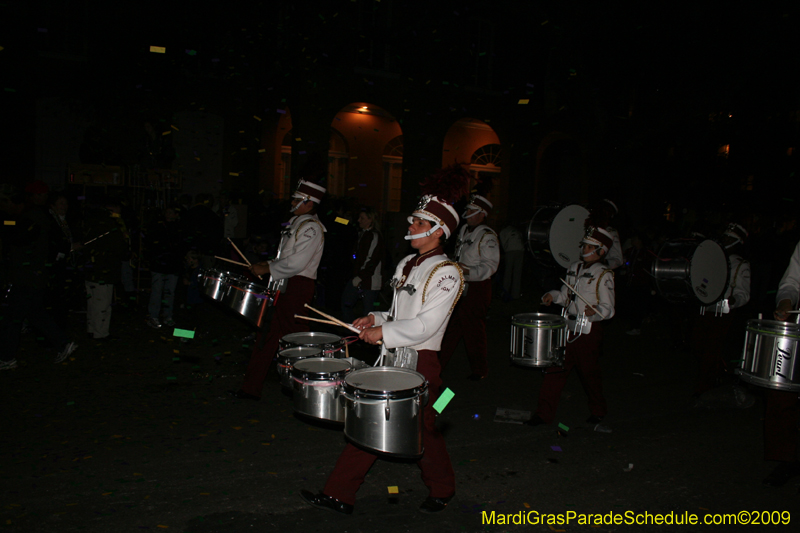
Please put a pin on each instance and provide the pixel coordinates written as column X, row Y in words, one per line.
column 322, row 365
column 383, row 379
column 566, row 232
column 299, row 351
column 311, row 337
column 709, row 272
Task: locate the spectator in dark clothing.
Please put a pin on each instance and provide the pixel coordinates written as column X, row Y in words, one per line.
column 25, row 246
column 106, row 245
column 366, row 281
column 62, row 260
column 165, row 252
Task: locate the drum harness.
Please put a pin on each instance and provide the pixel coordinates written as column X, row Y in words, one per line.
column 581, row 323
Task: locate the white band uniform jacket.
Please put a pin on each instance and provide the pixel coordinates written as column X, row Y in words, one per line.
column 790, row 282
column 584, row 280
column 479, row 250
column 300, row 250
column 419, row 325
column 739, row 282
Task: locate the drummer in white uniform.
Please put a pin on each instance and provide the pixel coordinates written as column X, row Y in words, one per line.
column 782, row 410
column 295, row 272
column 478, row 255
column 594, row 281
column 713, row 327
column 427, row 286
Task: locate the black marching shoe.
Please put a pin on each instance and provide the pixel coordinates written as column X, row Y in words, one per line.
column 434, row 505
column 242, row 395
column 322, row 501
column 782, row 474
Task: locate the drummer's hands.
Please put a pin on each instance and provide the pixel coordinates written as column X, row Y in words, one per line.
column 260, row 269
column 589, row 311
column 782, row 311
column 372, row 335
column 364, row 322
column 547, row 299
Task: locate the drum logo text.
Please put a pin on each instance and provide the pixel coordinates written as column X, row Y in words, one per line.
column 782, row 355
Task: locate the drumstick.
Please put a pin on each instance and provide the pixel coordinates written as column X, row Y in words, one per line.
column 338, row 322
column 238, row 251
column 582, row 298
column 316, row 320
column 92, row 240
column 232, row 261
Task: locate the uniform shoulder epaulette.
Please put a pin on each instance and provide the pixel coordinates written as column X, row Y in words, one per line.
column 433, row 273
column 306, row 221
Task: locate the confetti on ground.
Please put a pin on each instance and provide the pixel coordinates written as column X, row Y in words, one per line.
column 9, row 223
column 185, row 333
column 341, row 220
column 394, row 490
column 556, row 448
column 523, row 101
column 630, row 467
column 443, row 400
column 526, row 505
column 562, row 426
column 158, row 49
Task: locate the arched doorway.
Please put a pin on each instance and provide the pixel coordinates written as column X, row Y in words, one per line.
column 362, row 134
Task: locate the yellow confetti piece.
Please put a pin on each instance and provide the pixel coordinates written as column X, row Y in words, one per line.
column 261, row 151
column 557, row 530
column 354, row 157
column 162, row 527
column 1, row 48
column 233, row 173
column 524, row 101
column 158, row 49
column 236, row 427
column 393, row 490
column 165, row 133
column 174, row 127
column 257, row 118
column 9, row 222
column 298, row 139
column 341, row 220
column 526, row 505
column 243, row 148
column 351, row 189
column 107, row 493
column 176, row 351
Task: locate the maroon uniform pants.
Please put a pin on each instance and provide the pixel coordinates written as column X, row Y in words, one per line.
column 469, row 323
column 780, row 425
column 709, row 340
column 437, row 471
column 584, row 356
column 299, row 291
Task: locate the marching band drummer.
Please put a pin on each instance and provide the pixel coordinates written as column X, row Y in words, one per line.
column 594, row 281
column 427, row 287
column 780, row 418
column 297, row 261
column 478, row 255
column 711, row 328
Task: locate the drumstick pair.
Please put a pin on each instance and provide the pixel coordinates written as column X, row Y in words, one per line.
column 582, row 298
column 248, row 265
column 333, row 320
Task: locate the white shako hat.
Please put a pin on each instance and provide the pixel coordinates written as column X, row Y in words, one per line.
column 598, row 237
column 436, row 211
column 735, row 232
column 478, row 203
column 309, row 191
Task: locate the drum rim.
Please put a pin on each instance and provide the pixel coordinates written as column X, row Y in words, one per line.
column 358, row 392
column 312, row 348
column 792, row 330
column 558, row 319
column 313, row 333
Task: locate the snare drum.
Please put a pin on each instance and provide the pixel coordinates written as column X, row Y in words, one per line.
column 213, row 282
column 330, row 344
column 289, row 356
column 770, row 355
column 538, row 339
column 555, row 233
column 248, row 299
column 383, row 409
column 690, row 270
column 315, row 382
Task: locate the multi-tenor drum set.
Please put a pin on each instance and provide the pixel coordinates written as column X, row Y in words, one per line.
column 381, row 407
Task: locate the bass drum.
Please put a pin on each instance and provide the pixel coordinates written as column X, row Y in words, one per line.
column 554, row 234
column 691, row 270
